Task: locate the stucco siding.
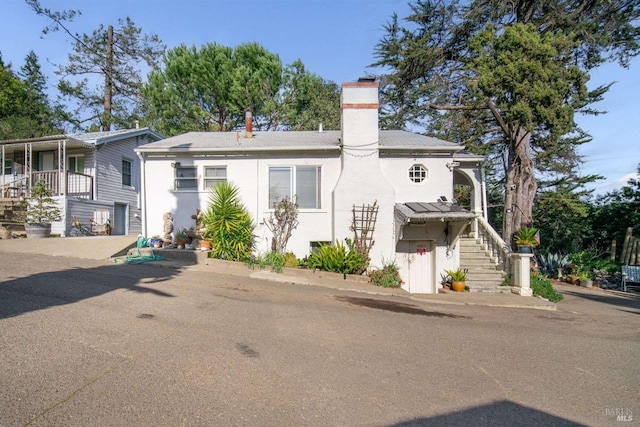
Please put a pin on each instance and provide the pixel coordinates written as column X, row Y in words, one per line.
column 251, row 176
column 439, row 181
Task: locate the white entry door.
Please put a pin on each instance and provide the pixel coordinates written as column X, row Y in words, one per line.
column 415, row 259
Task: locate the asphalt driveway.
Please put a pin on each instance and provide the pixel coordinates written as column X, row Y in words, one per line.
column 86, row 342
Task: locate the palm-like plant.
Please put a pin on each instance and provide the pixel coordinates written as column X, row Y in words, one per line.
column 227, row 224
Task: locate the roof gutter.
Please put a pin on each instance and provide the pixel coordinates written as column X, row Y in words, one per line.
column 243, row 149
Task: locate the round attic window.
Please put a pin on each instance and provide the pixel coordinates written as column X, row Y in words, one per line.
column 418, row 173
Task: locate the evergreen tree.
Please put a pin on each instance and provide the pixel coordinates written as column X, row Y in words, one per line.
column 505, row 79
column 25, row 109
column 117, row 55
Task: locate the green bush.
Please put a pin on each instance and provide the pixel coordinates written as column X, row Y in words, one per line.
column 228, row 224
column 338, row 259
column 542, row 287
column 272, row 259
column 387, row 277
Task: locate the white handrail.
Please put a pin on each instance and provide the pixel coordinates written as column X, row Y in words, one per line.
column 499, row 250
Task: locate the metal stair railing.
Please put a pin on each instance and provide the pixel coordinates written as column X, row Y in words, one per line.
column 498, row 249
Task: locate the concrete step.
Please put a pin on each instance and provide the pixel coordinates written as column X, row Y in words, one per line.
column 490, row 288
column 483, row 274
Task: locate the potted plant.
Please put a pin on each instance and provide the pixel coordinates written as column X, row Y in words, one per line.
column 526, row 239
column 458, row 279
column 182, row 238
column 585, row 279
column 41, row 211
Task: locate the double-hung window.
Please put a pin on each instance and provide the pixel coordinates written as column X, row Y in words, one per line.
column 75, row 163
column 186, row 178
column 126, row 172
column 299, row 182
column 214, row 175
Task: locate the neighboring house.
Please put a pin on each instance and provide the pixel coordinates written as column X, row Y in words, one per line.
column 87, row 173
column 410, row 176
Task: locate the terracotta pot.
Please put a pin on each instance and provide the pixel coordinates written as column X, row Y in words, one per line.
column 457, row 286
column 205, row 244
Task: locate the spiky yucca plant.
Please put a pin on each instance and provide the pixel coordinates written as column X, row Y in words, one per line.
column 228, row 224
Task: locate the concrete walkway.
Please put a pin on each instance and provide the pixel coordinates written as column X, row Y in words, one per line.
column 106, row 247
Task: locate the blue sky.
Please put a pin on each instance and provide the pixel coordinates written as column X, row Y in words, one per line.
column 334, row 39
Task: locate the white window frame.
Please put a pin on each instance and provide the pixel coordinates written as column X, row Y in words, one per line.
column 185, row 179
column 293, row 186
column 124, row 159
column 75, row 158
column 212, row 181
column 418, row 173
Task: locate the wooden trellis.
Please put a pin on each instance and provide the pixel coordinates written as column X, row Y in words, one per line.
column 363, row 226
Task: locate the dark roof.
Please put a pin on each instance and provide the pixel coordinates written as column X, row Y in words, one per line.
column 430, row 211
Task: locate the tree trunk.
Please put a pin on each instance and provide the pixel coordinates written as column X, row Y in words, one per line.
column 520, row 184
column 108, row 81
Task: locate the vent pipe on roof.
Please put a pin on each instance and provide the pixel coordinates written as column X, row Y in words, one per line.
column 320, row 127
column 248, row 124
column 137, row 124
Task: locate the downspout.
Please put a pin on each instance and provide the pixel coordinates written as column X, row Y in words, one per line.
column 143, row 192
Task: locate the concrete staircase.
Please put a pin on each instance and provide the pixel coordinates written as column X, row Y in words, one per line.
column 9, row 209
column 484, row 273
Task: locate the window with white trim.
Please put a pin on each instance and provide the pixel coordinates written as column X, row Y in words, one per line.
column 8, row 167
column 418, row 173
column 301, row 182
column 127, row 168
column 186, row 178
column 75, row 163
column 214, row 175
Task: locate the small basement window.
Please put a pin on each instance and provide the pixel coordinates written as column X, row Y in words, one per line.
column 418, row 173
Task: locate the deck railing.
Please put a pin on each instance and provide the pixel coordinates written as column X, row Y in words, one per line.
column 15, row 188
column 77, row 184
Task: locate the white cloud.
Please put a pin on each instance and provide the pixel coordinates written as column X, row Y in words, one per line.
column 614, row 184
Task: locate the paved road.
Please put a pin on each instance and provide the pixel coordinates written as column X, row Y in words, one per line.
column 88, row 343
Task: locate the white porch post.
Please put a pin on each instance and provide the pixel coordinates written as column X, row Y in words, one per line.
column 4, row 178
column 521, row 269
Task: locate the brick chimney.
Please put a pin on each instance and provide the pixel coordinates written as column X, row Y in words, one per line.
column 248, row 124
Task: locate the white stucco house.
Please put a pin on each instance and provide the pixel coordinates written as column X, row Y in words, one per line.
column 87, row 173
column 410, row 176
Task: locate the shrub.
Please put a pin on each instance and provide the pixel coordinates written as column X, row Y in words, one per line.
column 387, row 277
column 542, row 287
column 272, row 259
column 290, row 260
column 228, row 224
column 338, row 259
column 550, row 263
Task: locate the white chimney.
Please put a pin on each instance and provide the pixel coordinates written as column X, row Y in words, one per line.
column 361, row 180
